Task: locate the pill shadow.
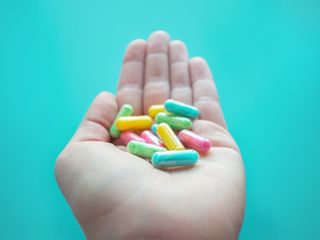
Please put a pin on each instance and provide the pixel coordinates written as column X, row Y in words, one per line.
column 178, row 169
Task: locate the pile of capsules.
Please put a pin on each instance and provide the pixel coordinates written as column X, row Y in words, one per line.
column 158, row 141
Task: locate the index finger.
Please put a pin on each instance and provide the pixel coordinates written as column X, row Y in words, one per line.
column 131, row 77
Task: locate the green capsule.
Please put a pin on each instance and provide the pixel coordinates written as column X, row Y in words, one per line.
column 144, row 150
column 126, row 110
column 175, row 122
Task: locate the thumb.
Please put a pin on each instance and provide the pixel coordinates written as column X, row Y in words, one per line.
column 98, row 119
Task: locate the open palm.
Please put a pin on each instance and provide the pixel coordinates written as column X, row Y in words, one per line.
column 115, row 195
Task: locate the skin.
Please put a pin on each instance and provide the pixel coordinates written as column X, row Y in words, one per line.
column 115, row 195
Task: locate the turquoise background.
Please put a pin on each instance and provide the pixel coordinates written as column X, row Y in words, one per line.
column 56, row 55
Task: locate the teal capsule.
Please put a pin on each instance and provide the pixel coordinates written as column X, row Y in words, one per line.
column 154, row 128
column 126, row 110
column 144, row 150
column 175, row 122
column 174, row 158
column 181, row 109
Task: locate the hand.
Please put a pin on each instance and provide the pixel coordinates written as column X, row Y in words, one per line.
column 115, row 195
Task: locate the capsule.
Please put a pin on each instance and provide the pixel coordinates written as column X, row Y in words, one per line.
column 175, row 122
column 181, row 109
column 134, row 123
column 126, row 110
column 194, row 141
column 168, row 137
column 144, row 150
column 149, row 137
column 155, row 109
column 128, row 136
column 174, row 158
column 154, row 128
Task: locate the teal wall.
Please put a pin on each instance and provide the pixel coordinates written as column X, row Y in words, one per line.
column 55, row 55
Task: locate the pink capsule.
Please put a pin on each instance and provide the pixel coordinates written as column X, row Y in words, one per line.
column 149, row 137
column 194, row 141
column 128, row 136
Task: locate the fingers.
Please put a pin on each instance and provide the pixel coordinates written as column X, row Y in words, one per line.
column 179, row 73
column 205, row 95
column 131, row 77
column 98, row 119
column 156, row 86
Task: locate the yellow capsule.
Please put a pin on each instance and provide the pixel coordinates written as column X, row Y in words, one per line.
column 155, row 109
column 134, row 123
column 167, row 135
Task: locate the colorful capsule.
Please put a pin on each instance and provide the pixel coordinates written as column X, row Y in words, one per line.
column 126, row 110
column 174, row 158
column 128, row 136
column 155, row 109
column 154, row 128
column 134, row 123
column 144, row 150
column 149, row 137
column 168, row 137
column 181, row 109
column 175, row 122
column 194, row 141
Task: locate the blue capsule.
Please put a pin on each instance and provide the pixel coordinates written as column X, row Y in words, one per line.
column 174, row 158
column 154, row 128
column 181, row 109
